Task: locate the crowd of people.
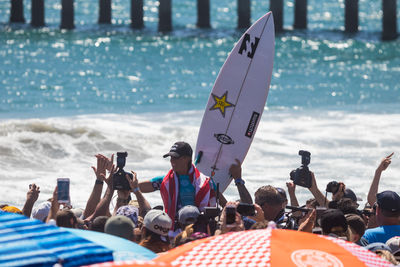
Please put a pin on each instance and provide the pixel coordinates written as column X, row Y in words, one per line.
column 190, row 209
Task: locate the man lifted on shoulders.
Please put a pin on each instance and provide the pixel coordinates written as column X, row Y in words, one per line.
column 184, row 184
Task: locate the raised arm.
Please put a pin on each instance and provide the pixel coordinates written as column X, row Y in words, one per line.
column 373, row 190
column 55, row 206
column 321, row 199
column 31, row 197
column 292, row 194
column 144, row 205
column 103, row 164
column 236, row 172
column 103, row 207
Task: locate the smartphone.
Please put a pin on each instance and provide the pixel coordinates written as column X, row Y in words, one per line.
column 245, row 209
column 63, row 190
column 230, row 213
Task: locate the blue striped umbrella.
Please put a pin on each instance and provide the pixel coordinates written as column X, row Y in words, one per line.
column 28, row 242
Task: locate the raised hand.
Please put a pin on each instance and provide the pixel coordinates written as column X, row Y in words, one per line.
column 133, row 183
column 291, row 187
column 236, row 226
column 103, row 164
column 259, row 217
column 236, row 170
column 33, row 193
column 108, row 180
column 340, row 193
column 385, row 162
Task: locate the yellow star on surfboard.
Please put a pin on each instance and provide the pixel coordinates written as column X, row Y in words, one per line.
column 221, row 103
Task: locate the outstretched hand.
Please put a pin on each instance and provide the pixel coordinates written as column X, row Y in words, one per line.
column 33, row 193
column 259, row 217
column 133, row 183
column 236, row 170
column 103, row 164
column 385, row 162
column 291, row 187
column 237, row 226
column 340, row 193
column 108, row 180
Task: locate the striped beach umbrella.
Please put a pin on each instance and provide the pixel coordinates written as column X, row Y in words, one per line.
column 29, row 242
column 271, row 247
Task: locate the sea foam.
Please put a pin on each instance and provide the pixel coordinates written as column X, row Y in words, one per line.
column 344, row 146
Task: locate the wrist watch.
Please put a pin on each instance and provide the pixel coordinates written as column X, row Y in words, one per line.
column 136, row 189
column 99, row 181
column 239, row 181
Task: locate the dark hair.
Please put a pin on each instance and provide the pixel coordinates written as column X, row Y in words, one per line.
column 356, row 223
column 347, row 206
column 268, row 194
column 98, row 224
column 64, row 217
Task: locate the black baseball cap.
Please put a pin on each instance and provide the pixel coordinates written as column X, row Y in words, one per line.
column 348, row 193
column 388, row 201
column 180, row 149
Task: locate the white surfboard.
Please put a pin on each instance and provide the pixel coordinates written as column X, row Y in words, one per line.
column 237, row 102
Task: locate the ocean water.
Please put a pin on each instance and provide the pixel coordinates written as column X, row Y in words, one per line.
column 68, row 95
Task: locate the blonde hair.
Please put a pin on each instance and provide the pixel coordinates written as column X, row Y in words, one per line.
column 182, row 237
column 387, row 256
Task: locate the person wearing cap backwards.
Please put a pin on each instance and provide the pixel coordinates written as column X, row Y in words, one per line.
column 183, row 185
column 387, row 210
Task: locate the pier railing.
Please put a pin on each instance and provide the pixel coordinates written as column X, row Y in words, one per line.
column 389, row 19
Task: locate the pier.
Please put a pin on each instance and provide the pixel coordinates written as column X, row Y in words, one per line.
column 243, row 20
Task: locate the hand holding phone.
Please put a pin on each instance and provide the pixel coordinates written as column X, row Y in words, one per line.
column 230, row 214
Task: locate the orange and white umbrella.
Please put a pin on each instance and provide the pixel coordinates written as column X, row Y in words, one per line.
column 271, row 247
column 132, row 263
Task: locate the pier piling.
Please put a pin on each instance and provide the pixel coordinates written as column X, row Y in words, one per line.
column 165, row 16
column 105, row 11
column 276, row 6
column 244, row 14
column 203, row 14
column 137, row 14
column 67, row 14
column 351, row 16
column 17, row 11
column 389, row 20
column 300, row 14
column 37, row 13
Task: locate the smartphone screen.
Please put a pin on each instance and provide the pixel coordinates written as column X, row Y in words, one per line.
column 63, row 190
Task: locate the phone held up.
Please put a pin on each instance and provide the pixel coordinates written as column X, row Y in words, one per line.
column 63, row 190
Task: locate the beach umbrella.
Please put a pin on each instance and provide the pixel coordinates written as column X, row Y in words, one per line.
column 132, row 263
column 27, row 242
column 123, row 249
column 271, row 247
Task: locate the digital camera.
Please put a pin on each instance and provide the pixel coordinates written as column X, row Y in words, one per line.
column 302, row 175
column 119, row 178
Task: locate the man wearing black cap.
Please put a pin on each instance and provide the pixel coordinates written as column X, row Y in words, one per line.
column 387, row 216
column 184, row 184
